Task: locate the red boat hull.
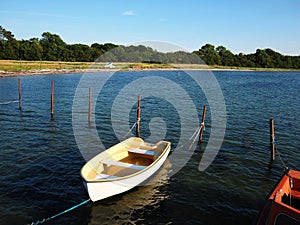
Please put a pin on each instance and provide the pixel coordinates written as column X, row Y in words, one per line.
column 283, row 205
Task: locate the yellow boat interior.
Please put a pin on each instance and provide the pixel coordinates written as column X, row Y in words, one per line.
column 124, row 159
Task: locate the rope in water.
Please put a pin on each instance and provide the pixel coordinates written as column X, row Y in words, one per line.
column 278, row 153
column 59, row 214
column 129, row 131
column 9, row 102
column 196, row 134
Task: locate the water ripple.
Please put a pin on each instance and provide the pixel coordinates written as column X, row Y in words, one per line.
column 40, row 162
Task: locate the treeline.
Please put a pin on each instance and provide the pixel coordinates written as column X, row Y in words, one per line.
column 266, row 58
column 52, row 48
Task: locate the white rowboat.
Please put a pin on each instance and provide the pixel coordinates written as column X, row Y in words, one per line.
column 123, row 166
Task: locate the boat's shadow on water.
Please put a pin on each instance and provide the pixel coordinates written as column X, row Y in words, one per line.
column 133, row 206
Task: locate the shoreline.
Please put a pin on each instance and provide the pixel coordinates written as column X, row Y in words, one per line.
column 4, row 73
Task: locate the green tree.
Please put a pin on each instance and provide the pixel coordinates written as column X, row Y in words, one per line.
column 275, row 57
column 5, row 34
column 30, row 50
column 263, row 59
column 36, row 49
column 227, row 58
column 209, row 55
column 80, row 52
column 296, row 62
column 9, row 45
column 243, row 60
column 157, row 57
column 104, row 47
column 54, row 48
column 287, row 62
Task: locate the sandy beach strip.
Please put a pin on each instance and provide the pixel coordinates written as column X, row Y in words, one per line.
column 11, row 73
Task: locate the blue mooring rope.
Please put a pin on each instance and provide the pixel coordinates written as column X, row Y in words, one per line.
column 59, row 214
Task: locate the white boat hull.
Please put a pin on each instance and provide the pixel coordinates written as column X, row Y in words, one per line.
column 102, row 189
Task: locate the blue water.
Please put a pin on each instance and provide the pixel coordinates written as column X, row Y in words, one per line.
column 40, row 160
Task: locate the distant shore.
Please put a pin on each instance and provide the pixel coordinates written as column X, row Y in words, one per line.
column 26, row 68
column 49, row 72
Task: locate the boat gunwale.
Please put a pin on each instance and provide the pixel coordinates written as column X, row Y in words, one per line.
column 272, row 199
column 167, row 149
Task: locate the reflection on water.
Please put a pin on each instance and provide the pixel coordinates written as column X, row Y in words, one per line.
column 129, row 207
column 40, row 161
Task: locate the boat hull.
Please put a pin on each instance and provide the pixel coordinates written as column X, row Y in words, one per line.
column 283, row 204
column 99, row 190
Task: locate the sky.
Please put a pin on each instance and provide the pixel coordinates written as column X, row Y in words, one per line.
column 239, row 25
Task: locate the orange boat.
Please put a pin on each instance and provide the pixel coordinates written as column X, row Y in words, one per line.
column 283, row 205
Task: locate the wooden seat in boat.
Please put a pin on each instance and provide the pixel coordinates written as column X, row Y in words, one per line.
column 142, row 153
column 123, row 164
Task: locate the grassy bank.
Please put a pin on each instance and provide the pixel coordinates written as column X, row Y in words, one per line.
column 21, row 66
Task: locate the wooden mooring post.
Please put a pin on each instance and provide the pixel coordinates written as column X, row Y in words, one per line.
column 138, row 115
column 272, row 141
column 90, row 105
column 20, row 94
column 202, row 124
column 52, row 101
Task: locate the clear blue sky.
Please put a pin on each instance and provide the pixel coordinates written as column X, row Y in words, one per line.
column 239, row 25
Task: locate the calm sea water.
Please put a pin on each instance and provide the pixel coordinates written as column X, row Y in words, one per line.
column 40, row 160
